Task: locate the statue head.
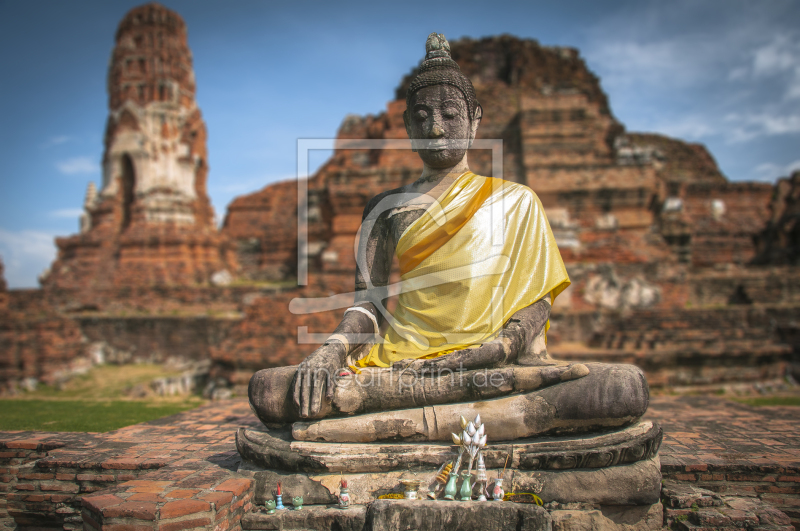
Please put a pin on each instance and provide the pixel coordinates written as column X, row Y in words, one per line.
column 441, row 107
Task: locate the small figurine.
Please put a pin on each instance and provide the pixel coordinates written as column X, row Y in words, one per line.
column 497, row 491
column 481, row 478
column 279, row 498
column 344, row 495
column 270, row 505
column 297, row 501
column 466, row 486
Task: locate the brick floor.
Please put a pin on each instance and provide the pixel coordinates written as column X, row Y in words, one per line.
column 731, row 448
column 172, row 473
column 180, row 471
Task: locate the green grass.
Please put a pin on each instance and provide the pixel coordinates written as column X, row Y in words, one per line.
column 83, row 415
column 770, row 401
column 97, row 401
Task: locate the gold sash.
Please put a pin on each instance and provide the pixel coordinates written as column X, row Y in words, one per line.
column 481, row 252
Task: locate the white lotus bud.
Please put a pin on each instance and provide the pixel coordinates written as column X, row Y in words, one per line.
column 478, row 421
column 483, row 441
column 481, row 430
column 471, row 429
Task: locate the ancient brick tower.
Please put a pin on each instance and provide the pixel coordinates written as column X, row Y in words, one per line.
column 151, row 223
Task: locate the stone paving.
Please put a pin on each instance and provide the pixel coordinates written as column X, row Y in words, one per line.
column 180, row 471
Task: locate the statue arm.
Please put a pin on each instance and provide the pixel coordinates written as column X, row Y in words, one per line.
column 513, row 341
column 315, row 377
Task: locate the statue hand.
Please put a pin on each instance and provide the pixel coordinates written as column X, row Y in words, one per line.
column 315, row 377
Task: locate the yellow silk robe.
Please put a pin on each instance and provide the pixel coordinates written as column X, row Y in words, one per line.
column 482, row 251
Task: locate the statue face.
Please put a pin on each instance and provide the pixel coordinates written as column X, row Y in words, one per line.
column 439, row 116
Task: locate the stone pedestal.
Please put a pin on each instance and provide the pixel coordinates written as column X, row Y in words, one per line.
column 422, row 515
column 614, row 468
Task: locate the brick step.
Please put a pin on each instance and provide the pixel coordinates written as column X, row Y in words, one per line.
column 692, row 367
column 706, row 342
column 725, row 351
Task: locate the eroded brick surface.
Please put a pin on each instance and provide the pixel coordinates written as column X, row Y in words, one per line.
column 715, row 449
column 173, row 472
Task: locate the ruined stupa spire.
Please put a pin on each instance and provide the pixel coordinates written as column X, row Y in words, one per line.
column 151, row 222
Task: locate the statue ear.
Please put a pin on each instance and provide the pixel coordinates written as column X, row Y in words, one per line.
column 474, row 123
column 408, row 130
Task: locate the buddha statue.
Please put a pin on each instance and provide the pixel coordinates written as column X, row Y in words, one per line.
column 480, row 271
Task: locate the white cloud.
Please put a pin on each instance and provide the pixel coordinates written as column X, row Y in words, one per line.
column 757, row 124
column 779, row 57
column 56, row 140
column 26, row 254
column 77, row 165
column 738, row 73
column 770, row 171
column 66, row 213
column 630, row 63
column 688, row 128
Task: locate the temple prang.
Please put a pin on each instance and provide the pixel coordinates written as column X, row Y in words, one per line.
column 151, row 222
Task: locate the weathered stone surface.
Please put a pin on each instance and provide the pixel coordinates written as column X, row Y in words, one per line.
column 313, row 492
column 387, row 515
column 275, row 449
column 152, row 222
column 638, row 483
column 376, row 389
column 684, row 496
column 391, row 515
column 368, row 392
column 610, row 396
column 690, row 507
column 610, row 518
column 312, row 517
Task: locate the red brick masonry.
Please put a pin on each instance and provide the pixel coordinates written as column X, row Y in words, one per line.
column 732, row 449
column 174, row 473
column 180, row 472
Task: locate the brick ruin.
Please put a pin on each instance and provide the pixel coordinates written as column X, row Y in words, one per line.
column 3, row 285
column 674, row 268
column 655, row 237
column 152, row 222
column 780, row 241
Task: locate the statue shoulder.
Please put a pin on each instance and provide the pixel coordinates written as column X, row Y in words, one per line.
column 385, row 201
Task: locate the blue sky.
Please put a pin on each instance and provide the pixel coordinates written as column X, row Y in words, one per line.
column 722, row 72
